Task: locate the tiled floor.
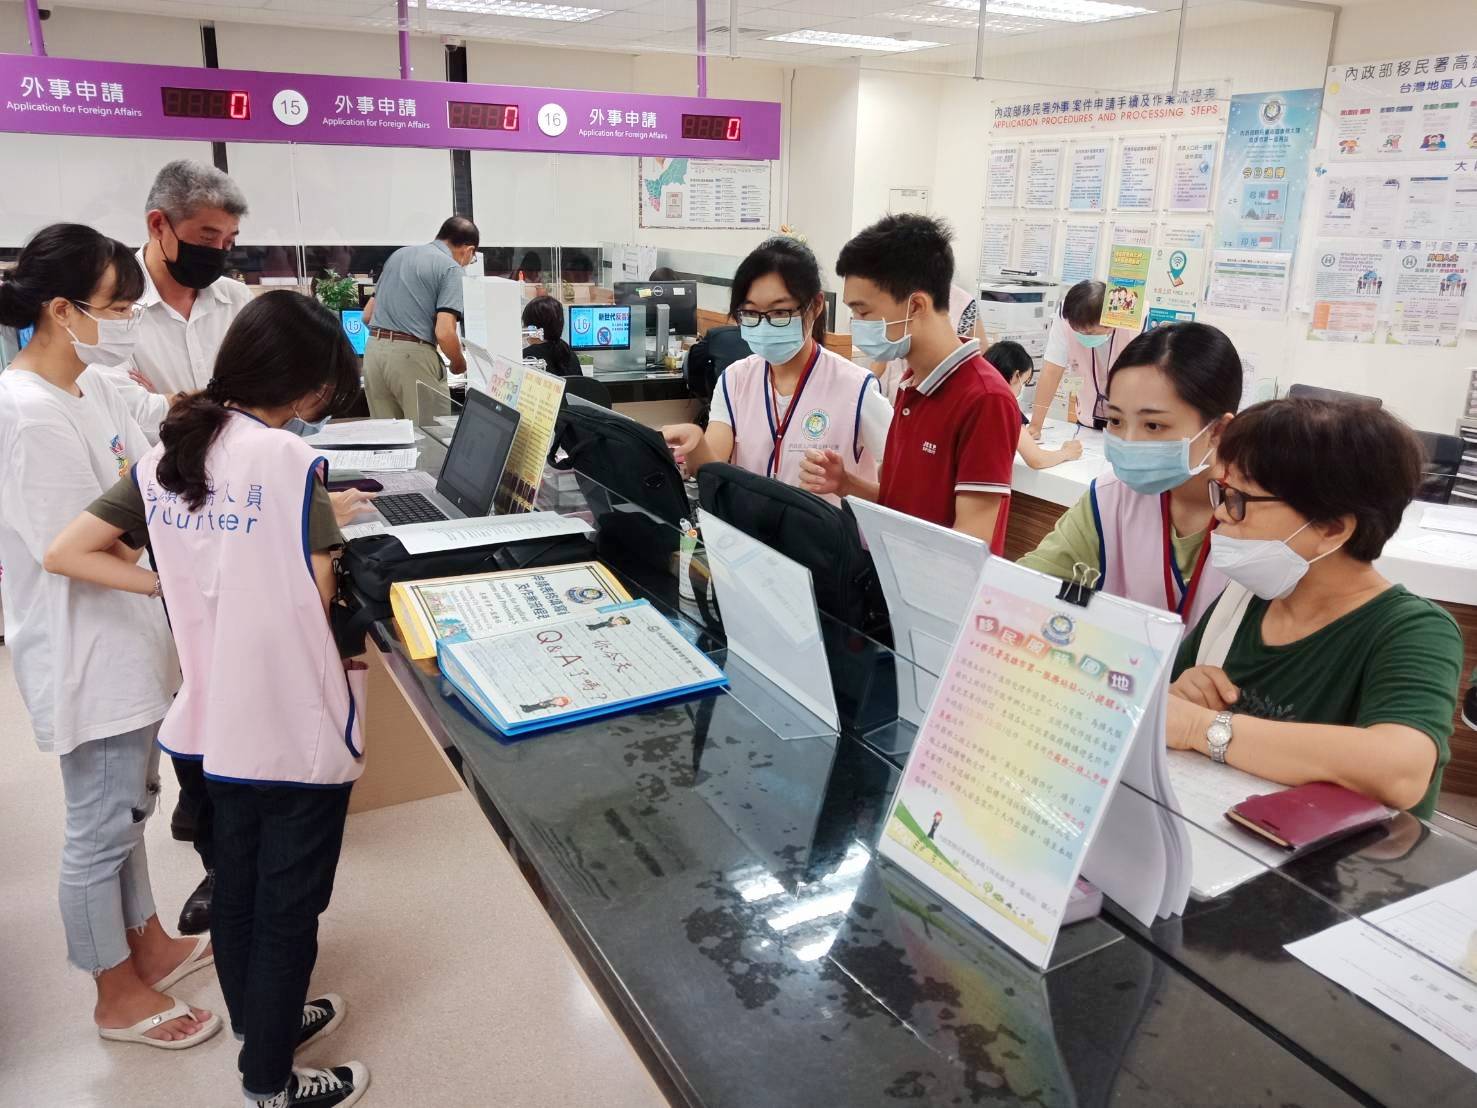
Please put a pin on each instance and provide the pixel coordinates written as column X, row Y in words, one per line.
column 460, row 991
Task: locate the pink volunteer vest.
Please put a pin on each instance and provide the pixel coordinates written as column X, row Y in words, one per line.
column 1092, row 366
column 828, row 416
column 265, row 695
column 1130, row 530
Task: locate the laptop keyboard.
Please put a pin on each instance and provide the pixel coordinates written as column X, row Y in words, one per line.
column 407, row 507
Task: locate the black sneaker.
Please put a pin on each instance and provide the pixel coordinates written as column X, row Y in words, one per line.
column 1469, row 708
column 320, row 1018
column 334, row 1088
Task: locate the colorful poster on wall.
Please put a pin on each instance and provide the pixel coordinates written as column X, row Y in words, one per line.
column 1359, row 205
column 1348, row 286
column 1081, row 243
column 1250, row 284
column 1022, row 748
column 996, row 238
column 1405, row 109
column 1177, row 277
column 1037, row 238
column 1042, row 176
column 1264, row 169
column 1138, row 174
column 1087, row 183
column 1191, row 173
column 1002, row 176
column 1431, row 282
column 692, row 193
column 1158, row 317
column 1126, row 297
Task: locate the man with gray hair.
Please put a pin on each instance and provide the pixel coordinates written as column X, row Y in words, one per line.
column 193, row 214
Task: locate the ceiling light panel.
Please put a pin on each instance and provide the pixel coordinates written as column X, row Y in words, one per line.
column 1060, row 11
column 879, row 43
column 936, row 16
column 518, row 9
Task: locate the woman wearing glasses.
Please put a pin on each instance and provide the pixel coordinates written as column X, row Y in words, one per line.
column 1311, row 666
column 1143, row 528
column 96, row 668
column 792, row 395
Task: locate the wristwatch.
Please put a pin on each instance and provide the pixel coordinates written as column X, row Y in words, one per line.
column 1218, row 735
column 158, row 591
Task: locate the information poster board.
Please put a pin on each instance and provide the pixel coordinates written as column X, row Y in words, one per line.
column 1002, row 176
column 1081, row 244
column 1042, row 175
column 997, row 234
column 1249, row 283
column 1348, row 287
column 1037, row 237
column 1126, row 298
column 537, row 396
column 1191, row 173
column 693, row 193
column 1087, row 183
column 1138, row 174
column 1264, row 170
column 1431, row 285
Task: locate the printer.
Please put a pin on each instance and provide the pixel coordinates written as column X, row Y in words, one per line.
column 1020, row 307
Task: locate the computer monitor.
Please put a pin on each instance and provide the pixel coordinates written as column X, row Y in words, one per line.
column 599, row 327
column 679, row 296
column 478, row 454
column 353, row 322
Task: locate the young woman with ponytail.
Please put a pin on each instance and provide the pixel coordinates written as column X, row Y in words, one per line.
column 240, row 524
column 96, row 668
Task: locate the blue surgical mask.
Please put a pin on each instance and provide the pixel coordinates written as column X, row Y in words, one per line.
column 1092, row 342
column 1153, row 467
column 776, row 343
column 869, row 336
column 303, row 429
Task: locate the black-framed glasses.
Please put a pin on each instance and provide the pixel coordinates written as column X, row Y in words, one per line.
column 1235, row 500
column 778, row 316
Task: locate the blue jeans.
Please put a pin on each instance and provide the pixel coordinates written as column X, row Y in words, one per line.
column 111, row 787
column 276, row 853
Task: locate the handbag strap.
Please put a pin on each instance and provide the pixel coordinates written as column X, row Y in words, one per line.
column 1220, row 629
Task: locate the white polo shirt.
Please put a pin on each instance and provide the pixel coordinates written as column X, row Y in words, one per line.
column 176, row 353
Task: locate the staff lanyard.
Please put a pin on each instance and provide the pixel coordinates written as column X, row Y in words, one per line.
column 1098, row 398
column 772, row 407
column 1186, row 602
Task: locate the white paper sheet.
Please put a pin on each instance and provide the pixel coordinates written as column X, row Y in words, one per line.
column 364, row 432
column 770, row 615
column 460, row 534
column 373, row 461
column 1205, row 791
column 1411, row 961
column 1442, row 517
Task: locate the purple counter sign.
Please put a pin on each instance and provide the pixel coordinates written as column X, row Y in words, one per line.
column 61, row 96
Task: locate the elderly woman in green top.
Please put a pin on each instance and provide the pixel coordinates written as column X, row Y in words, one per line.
column 1322, row 670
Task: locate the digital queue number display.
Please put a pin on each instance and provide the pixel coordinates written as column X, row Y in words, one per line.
column 468, row 116
column 724, row 128
column 206, row 103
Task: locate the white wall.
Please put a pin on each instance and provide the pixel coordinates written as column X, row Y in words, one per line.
column 821, row 152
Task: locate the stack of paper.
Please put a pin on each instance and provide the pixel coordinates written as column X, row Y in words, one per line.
column 561, row 672
column 373, row 460
column 363, row 434
column 1225, row 855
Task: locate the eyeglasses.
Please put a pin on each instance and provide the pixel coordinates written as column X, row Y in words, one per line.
column 778, row 316
column 1235, row 500
column 131, row 315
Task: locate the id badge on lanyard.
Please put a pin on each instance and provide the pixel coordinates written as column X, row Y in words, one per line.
column 1179, row 596
column 771, row 409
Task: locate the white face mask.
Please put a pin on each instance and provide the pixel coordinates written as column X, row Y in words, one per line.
column 1268, row 568
column 116, row 340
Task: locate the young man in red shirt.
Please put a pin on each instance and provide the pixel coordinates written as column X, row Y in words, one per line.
column 951, row 448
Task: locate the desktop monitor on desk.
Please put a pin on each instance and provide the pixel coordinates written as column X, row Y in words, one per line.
column 679, row 296
column 354, row 329
column 599, row 327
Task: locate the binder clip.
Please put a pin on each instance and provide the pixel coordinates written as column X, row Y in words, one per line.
column 1079, row 590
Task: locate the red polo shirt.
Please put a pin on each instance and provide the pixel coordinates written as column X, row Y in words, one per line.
column 955, row 432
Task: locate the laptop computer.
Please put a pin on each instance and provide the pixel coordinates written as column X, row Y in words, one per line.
column 469, row 476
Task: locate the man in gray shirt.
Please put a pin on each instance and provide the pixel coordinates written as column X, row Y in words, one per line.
column 415, row 309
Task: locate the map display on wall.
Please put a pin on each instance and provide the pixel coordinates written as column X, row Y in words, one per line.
column 692, row 193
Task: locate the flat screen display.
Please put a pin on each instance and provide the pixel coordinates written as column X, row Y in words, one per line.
column 724, row 128
column 206, row 103
column 478, row 453
column 354, row 328
column 679, row 296
column 469, row 116
column 599, row 327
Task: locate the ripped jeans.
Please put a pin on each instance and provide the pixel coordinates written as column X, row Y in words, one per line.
column 111, row 787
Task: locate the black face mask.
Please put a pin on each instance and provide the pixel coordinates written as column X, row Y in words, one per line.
column 195, row 267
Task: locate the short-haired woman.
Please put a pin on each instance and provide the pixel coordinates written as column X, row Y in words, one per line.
column 547, row 315
column 1312, row 666
column 1012, row 362
column 1143, row 528
column 1079, row 342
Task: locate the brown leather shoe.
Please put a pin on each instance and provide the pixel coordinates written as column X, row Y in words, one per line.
column 194, row 917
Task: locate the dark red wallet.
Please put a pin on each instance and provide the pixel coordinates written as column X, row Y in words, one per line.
column 1308, row 816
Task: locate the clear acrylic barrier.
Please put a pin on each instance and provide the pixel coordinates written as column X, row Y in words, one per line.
column 437, row 413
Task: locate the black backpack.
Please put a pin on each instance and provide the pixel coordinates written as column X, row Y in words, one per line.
column 718, row 349
column 802, row 526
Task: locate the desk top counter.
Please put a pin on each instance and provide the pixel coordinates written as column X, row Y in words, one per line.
column 1438, row 565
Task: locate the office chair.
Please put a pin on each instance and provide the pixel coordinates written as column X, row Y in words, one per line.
column 1313, row 392
column 587, row 388
column 1443, row 462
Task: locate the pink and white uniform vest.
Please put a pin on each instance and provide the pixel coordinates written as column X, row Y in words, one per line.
column 1093, row 366
column 1131, row 549
column 828, row 416
column 265, row 695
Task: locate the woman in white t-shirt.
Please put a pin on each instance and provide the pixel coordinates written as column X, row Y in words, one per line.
column 96, row 668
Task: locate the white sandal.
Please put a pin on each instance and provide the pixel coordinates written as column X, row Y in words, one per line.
column 136, row 1033
column 197, row 960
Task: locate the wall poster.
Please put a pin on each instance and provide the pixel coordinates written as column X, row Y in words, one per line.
column 1087, row 183
column 692, row 193
column 1042, row 176
column 1348, row 287
column 1138, row 174
column 1264, row 170
column 1002, row 176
